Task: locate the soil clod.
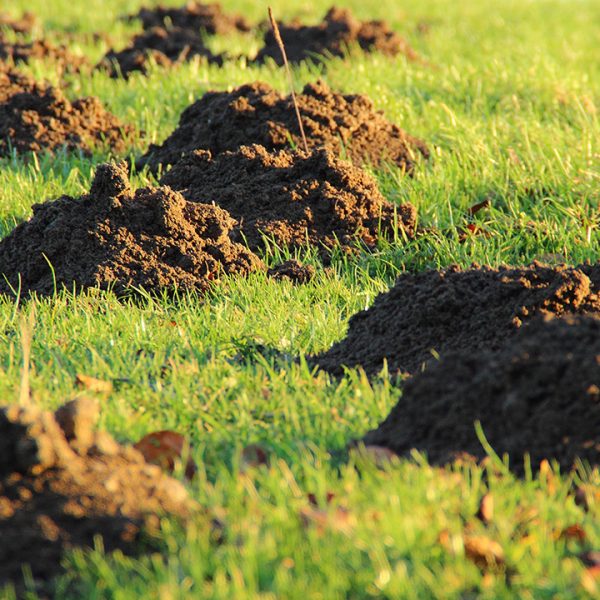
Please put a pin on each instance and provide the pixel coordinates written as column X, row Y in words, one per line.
column 15, row 52
column 23, row 24
column 59, row 489
column 255, row 113
column 433, row 313
column 35, row 117
column 535, row 393
column 338, row 32
column 292, row 270
column 208, row 17
column 165, row 47
column 293, row 198
column 115, row 238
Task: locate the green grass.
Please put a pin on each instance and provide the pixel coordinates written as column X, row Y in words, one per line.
column 510, row 110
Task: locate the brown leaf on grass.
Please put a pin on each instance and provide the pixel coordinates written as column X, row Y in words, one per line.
column 91, row 384
column 473, row 210
column 253, row 456
column 483, row 551
column 485, row 513
column 312, row 498
column 165, row 449
column 471, row 230
column 572, row 532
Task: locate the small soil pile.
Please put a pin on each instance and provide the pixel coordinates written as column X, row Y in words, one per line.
column 23, row 24
column 209, row 18
column 338, row 31
column 112, row 237
column 14, row 52
column 61, row 484
column 452, row 310
column 539, row 393
column 292, row 270
column 163, row 46
column 257, row 114
column 291, row 197
column 35, row 117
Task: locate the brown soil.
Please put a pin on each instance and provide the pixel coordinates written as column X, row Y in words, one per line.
column 338, row 31
column 257, row 114
column 453, row 310
column 292, row 197
column 61, row 484
column 23, row 24
column 292, row 270
column 194, row 15
column 163, row 46
column 538, row 393
column 14, row 52
column 35, row 117
column 112, row 237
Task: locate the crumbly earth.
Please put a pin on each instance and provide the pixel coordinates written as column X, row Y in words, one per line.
column 165, row 47
column 255, row 113
column 293, row 198
column 23, row 24
column 115, row 238
column 338, row 31
column 62, row 484
column 437, row 312
column 537, row 393
column 15, row 52
column 208, row 17
column 35, row 117
column 292, row 270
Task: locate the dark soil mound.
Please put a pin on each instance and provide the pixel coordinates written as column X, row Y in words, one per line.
column 61, row 484
column 112, row 237
column 35, row 117
column 538, row 393
column 471, row 310
column 257, row 114
column 338, row 31
column 23, row 24
column 163, row 46
column 292, row 270
column 14, row 52
column 194, row 15
column 292, row 197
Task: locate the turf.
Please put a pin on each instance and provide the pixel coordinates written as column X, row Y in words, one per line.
column 509, row 101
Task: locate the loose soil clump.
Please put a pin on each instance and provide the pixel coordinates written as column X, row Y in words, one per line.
column 293, row 198
column 15, row 52
column 454, row 310
column 62, row 484
column 338, row 32
column 165, row 47
column 35, row 117
column 538, row 393
column 198, row 16
column 255, row 113
column 292, row 270
column 114, row 238
column 23, row 24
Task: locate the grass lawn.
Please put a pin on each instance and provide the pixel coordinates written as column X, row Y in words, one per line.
column 509, row 104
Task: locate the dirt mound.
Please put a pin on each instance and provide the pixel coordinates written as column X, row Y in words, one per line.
column 61, row 484
column 35, row 117
column 163, row 46
column 338, row 31
column 292, row 197
column 292, row 270
column 538, row 393
column 257, row 114
column 112, row 237
column 472, row 310
column 23, row 24
column 14, row 52
column 194, row 15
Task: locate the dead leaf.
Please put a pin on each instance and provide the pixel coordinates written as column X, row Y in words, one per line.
column 165, row 449
column 91, row 384
column 473, row 210
column 253, row 456
column 486, row 509
column 573, row 532
column 471, row 230
column 483, row 551
column 329, row 496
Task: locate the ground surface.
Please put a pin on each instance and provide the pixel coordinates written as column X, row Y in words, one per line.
column 507, row 98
